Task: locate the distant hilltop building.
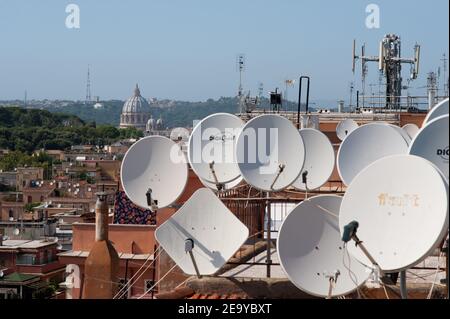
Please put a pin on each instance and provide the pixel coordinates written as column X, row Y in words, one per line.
column 135, row 111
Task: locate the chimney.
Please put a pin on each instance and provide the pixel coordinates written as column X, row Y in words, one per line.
column 101, row 217
column 102, row 265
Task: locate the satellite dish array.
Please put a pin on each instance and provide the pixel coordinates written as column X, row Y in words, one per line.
column 397, row 188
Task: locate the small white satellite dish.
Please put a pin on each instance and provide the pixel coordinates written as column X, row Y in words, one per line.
column 270, row 153
column 226, row 186
column 402, row 132
column 16, row 232
column 179, row 134
column 411, row 129
column 401, row 205
column 11, row 219
column 154, row 171
column 202, row 235
column 438, row 110
column 345, row 127
column 212, row 145
column 319, row 160
column 2, row 274
column 311, row 251
column 365, row 145
column 432, row 143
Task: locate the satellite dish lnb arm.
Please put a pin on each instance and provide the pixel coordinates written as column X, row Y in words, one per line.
column 350, row 233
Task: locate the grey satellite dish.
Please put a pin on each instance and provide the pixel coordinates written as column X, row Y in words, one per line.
column 319, row 160
column 2, row 274
column 411, row 129
column 345, row 127
column 202, row 235
column 154, row 172
column 311, row 251
column 179, row 134
column 365, row 145
column 212, row 145
column 16, row 232
column 270, row 153
column 432, row 143
column 401, row 205
column 224, row 187
column 438, row 110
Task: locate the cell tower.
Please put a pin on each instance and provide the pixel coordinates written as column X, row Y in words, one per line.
column 390, row 64
column 88, row 87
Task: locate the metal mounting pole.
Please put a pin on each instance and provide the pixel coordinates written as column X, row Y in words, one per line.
column 269, row 239
column 300, row 98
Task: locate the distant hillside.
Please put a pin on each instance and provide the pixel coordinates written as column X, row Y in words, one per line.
column 180, row 113
column 27, row 130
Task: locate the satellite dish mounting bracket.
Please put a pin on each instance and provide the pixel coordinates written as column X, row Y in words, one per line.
column 332, row 278
column 189, row 247
column 153, row 203
column 281, row 168
column 219, row 186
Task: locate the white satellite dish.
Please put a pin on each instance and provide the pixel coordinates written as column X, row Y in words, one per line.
column 438, row 110
column 432, row 143
column 401, row 205
column 212, row 148
column 16, row 232
column 202, row 235
column 411, row 129
column 345, row 127
column 402, row 132
column 226, row 186
column 179, row 134
column 311, row 251
column 365, row 145
column 270, row 153
column 319, row 160
column 155, row 168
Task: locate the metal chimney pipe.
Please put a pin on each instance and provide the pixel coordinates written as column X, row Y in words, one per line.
column 101, row 217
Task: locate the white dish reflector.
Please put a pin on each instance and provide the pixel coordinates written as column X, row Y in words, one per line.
column 431, row 143
column 155, row 163
column 311, row 250
column 401, row 205
column 270, row 153
column 367, row 144
column 213, row 140
column 319, row 160
column 216, row 234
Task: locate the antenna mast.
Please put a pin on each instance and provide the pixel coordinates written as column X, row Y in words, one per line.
column 88, row 87
column 444, row 64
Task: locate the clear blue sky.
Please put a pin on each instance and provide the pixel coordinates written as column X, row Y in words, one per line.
column 187, row 49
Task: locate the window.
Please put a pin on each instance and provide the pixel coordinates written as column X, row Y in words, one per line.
column 149, row 284
column 26, row 259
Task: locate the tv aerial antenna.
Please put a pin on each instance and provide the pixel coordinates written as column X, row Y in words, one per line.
column 240, row 66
